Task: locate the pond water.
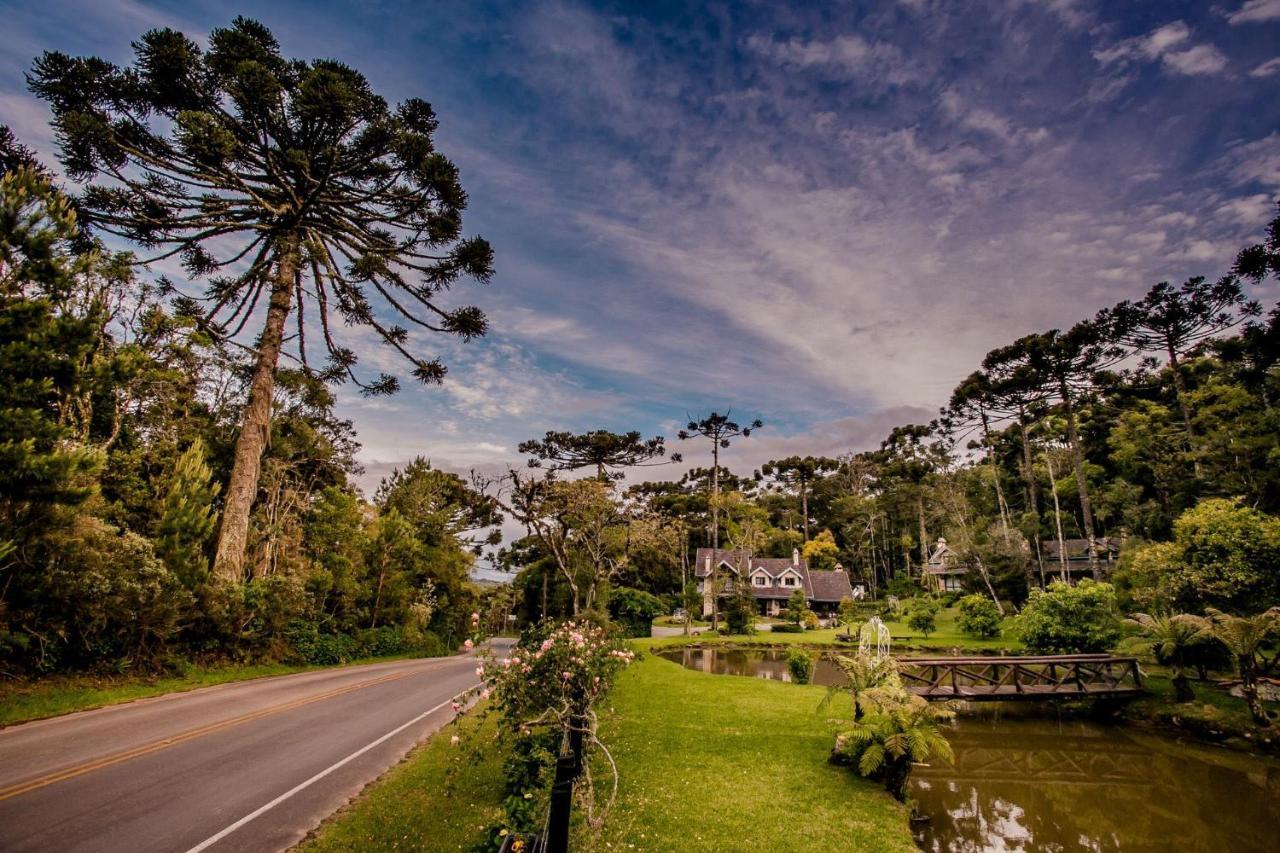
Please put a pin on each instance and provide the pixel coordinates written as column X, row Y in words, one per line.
column 1025, row 780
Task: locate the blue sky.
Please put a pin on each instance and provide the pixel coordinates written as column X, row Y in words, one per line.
column 820, row 215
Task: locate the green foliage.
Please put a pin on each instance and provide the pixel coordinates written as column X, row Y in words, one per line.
column 634, row 610
column 1173, row 641
column 1222, row 555
column 187, row 518
column 796, row 608
column 740, row 614
column 979, row 617
column 800, row 665
column 1070, row 619
column 892, row 729
column 821, row 552
column 922, row 614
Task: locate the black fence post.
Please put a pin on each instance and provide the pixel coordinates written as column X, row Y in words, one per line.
column 568, row 768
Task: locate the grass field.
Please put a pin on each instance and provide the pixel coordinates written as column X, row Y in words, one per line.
column 706, row 763
column 50, row 697
column 946, row 638
column 713, row 762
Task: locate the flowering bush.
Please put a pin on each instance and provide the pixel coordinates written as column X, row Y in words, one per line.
column 543, row 691
column 552, row 679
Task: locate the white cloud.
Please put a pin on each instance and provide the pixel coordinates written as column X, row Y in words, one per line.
column 1266, row 69
column 1170, row 44
column 846, row 56
column 1254, row 11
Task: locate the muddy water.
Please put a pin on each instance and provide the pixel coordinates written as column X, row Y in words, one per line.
column 1025, row 780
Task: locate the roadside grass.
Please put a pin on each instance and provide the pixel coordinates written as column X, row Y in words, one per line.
column 948, row 637
column 37, row 699
column 715, row 762
column 673, row 622
column 441, row 798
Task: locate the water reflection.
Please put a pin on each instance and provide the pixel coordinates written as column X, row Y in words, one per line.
column 1022, row 782
column 769, row 663
column 1035, row 784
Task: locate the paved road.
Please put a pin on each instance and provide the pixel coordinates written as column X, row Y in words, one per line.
column 251, row 766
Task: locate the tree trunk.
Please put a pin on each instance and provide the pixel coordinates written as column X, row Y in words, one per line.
column 1180, row 391
column 924, row 534
column 1182, row 687
column 255, row 429
column 715, row 496
column 1077, row 461
column 1249, row 687
column 995, row 478
column 804, row 508
column 1057, row 519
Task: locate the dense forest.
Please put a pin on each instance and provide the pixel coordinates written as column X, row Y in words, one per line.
column 169, row 491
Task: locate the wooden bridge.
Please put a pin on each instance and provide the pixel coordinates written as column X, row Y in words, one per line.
column 1003, row 679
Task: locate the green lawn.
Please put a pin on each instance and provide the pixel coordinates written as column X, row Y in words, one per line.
column 713, row 762
column 442, row 798
column 707, row 763
column 50, row 697
column 1213, row 715
column 946, row 638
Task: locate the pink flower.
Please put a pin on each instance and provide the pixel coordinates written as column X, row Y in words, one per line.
column 468, row 645
column 455, row 740
column 475, row 617
column 456, row 707
column 484, row 694
column 566, row 675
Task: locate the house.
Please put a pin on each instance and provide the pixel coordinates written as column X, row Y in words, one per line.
column 772, row 580
column 1071, row 557
column 945, row 571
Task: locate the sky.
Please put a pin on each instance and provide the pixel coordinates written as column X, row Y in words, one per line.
column 820, row 215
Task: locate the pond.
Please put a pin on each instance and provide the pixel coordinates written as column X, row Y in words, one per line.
column 1025, row 780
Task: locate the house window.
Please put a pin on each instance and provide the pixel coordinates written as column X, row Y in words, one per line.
column 760, row 581
column 788, row 581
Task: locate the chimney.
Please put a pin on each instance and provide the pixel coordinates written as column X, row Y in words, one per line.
column 708, row 564
column 795, row 557
column 839, row 568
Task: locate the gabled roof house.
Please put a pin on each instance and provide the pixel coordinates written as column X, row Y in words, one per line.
column 772, row 580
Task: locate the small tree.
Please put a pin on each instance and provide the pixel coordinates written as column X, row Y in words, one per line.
column 1066, row 619
column 847, row 613
column 979, row 617
column 1171, row 639
column 897, row 731
column 922, row 615
column 797, row 607
column 1244, row 637
column 634, row 610
column 187, row 519
column 821, row 552
column 800, row 665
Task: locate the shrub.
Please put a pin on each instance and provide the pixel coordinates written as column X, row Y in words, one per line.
column 786, row 628
column 800, row 665
column 903, row 587
column 1063, row 618
column 922, row 615
column 740, row 615
column 979, row 617
column 811, row 621
column 320, row 649
column 634, row 610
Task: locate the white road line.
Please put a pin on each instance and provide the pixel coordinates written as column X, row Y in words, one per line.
column 214, row 839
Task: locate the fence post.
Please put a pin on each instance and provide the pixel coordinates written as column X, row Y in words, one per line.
column 568, row 768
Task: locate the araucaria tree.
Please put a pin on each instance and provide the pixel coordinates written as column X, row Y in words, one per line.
column 600, row 449
column 799, row 473
column 720, row 431
column 285, row 179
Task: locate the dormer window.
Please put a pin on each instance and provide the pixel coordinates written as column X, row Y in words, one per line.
column 789, row 581
column 760, row 581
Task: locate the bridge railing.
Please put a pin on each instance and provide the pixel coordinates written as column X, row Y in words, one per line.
column 1021, row 677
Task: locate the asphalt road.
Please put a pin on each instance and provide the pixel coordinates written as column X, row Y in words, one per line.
column 251, row 766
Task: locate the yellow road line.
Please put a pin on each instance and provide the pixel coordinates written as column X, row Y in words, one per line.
column 190, row 734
